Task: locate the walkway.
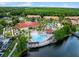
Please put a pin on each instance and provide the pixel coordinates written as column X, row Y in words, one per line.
column 76, row 34
column 13, row 50
column 49, row 40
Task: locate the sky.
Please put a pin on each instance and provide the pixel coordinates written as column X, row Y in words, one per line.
column 40, row 4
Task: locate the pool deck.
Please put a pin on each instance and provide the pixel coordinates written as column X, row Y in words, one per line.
column 49, row 40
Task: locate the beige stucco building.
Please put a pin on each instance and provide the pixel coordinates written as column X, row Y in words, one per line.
column 33, row 16
column 51, row 17
column 74, row 19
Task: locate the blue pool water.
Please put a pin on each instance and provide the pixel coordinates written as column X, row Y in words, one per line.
column 38, row 38
column 50, row 25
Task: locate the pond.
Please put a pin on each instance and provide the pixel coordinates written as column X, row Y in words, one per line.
column 69, row 48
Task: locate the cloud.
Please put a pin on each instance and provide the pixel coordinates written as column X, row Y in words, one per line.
column 16, row 4
column 2, row 3
column 63, row 6
column 28, row 4
column 67, row 6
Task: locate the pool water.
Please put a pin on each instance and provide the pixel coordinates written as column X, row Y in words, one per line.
column 38, row 38
column 50, row 25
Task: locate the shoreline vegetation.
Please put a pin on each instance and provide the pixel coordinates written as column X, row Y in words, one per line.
column 10, row 16
column 64, row 31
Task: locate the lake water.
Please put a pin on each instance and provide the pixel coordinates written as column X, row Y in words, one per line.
column 69, row 48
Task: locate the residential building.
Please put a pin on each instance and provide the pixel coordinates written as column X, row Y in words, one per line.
column 74, row 19
column 51, row 17
column 33, row 16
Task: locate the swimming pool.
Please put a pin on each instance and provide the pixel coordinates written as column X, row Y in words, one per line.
column 38, row 38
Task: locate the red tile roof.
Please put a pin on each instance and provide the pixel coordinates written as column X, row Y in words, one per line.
column 49, row 30
column 26, row 24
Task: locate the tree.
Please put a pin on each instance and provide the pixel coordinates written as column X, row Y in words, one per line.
column 61, row 33
column 3, row 23
column 22, row 42
column 15, row 20
column 73, row 28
